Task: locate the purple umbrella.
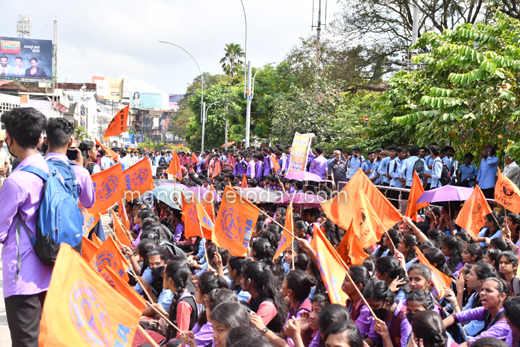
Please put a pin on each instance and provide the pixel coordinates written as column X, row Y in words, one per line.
column 204, row 193
column 301, row 200
column 303, row 176
column 446, row 193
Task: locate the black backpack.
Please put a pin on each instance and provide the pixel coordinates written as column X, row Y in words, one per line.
column 445, row 175
column 162, row 162
column 418, row 166
column 388, row 167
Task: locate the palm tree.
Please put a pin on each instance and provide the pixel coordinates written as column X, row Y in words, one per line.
column 231, row 64
column 80, row 134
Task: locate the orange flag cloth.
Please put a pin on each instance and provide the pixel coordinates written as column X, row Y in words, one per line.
column 350, row 249
column 194, row 159
column 507, row 193
column 138, row 179
column 235, row 222
column 472, row 215
column 244, row 181
column 287, row 239
column 439, row 279
column 119, row 231
column 331, row 267
column 121, row 213
column 342, row 209
column 118, row 124
column 275, row 164
column 123, row 288
column 175, row 167
column 110, row 188
column 89, row 221
column 195, row 218
column 88, row 249
column 110, row 255
column 96, row 240
column 209, row 207
column 415, row 194
column 82, row 310
column 353, row 207
column 217, row 170
column 110, row 153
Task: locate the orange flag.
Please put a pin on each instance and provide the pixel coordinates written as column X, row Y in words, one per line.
column 209, row 207
column 353, row 207
column 118, row 124
column 110, row 255
column 195, row 218
column 339, row 212
column 216, row 172
column 287, row 239
column 439, row 279
column 194, row 158
column 415, row 194
column 138, row 179
column 110, row 188
column 175, row 167
column 331, row 267
column 110, row 153
column 88, row 249
column 96, row 240
column 472, row 215
column 350, row 249
column 82, row 310
column 275, row 165
column 89, row 221
column 507, row 193
column 244, row 181
column 235, row 222
column 120, row 232
column 121, row 213
column 123, row 288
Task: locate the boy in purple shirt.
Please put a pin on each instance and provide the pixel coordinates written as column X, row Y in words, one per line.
column 319, row 164
column 258, row 167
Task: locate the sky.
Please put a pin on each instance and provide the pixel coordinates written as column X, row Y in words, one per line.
column 116, row 38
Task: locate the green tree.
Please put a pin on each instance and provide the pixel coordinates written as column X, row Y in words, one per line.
column 80, row 134
column 231, row 65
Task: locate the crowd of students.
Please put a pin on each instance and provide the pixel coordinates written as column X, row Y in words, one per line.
column 216, row 299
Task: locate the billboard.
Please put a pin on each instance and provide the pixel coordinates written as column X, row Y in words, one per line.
column 25, row 58
column 145, row 100
column 174, row 101
column 108, row 88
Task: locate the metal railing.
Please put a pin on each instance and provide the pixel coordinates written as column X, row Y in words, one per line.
column 401, row 203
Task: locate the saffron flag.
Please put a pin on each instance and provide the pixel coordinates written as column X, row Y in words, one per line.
column 472, row 215
column 118, row 124
column 354, row 208
column 175, row 167
column 90, row 220
column 82, row 310
column 96, row 240
column 123, row 288
column 138, row 179
column 339, row 212
column 275, row 165
column 88, row 249
column 110, row 188
column 235, row 222
column 194, row 159
column 287, row 239
column 120, row 232
column 196, row 220
column 331, row 267
column 217, row 170
column 415, row 194
column 350, row 249
column 110, row 255
column 209, row 207
column 507, row 193
column 110, row 153
column 121, row 213
column 244, row 181
column 439, row 279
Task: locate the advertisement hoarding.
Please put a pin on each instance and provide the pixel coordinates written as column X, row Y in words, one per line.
column 25, row 58
column 300, row 151
column 173, row 101
column 145, row 100
column 108, row 88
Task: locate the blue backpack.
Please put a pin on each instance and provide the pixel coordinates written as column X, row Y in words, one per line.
column 59, row 217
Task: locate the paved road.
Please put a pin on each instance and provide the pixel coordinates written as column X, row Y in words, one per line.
column 5, row 336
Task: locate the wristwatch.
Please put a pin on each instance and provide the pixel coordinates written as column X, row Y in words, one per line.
column 265, row 330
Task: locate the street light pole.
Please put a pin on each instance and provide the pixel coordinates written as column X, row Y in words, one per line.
column 253, row 90
column 205, row 110
column 248, row 109
column 201, row 80
column 245, row 50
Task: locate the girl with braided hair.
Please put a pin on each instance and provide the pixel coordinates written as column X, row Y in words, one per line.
column 427, row 327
